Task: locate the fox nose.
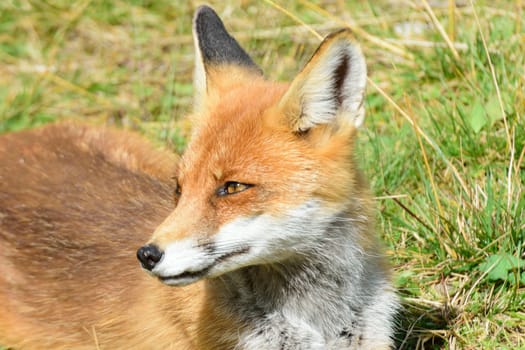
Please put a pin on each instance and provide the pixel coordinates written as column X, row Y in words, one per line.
column 149, row 255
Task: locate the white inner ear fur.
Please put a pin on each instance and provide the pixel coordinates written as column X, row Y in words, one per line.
column 199, row 75
column 320, row 99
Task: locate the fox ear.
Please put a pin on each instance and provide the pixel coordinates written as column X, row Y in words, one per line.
column 216, row 52
column 330, row 88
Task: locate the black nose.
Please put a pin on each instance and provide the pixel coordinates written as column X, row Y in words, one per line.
column 149, row 255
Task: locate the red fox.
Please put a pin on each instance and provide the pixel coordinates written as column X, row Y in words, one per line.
column 266, row 230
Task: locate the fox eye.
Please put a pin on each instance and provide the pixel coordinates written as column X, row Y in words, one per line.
column 232, row 187
column 177, row 191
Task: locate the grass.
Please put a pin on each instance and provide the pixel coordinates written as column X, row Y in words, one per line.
column 443, row 147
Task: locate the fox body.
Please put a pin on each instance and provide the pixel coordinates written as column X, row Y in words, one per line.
column 266, row 230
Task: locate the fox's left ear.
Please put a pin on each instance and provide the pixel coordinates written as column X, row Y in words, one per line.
column 219, row 59
column 330, row 89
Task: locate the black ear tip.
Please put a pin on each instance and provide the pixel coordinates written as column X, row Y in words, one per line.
column 207, row 23
column 204, row 8
column 203, row 12
column 216, row 45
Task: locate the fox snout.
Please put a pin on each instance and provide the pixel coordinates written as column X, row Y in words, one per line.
column 149, row 255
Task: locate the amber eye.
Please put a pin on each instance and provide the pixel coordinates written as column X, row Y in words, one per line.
column 232, row 187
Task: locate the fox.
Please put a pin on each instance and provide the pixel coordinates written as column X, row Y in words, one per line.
column 259, row 236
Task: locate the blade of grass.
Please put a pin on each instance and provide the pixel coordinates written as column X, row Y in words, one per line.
column 451, row 166
column 295, row 18
column 510, row 145
column 360, row 31
column 519, row 8
column 425, row 159
column 67, row 85
column 452, row 20
column 410, row 212
column 427, row 44
column 440, row 29
column 72, row 17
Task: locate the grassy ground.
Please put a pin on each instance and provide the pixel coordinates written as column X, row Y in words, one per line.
column 444, row 143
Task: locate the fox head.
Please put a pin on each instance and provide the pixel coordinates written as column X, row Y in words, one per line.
column 269, row 165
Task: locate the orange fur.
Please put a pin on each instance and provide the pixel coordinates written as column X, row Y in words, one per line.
column 76, row 202
column 128, row 308
column 63, row 187
column 240, row 129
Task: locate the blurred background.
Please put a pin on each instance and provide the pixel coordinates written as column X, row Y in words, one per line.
column 443, row 145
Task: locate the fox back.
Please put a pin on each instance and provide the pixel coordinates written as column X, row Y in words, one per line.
column 74, row 202
column 264, row 240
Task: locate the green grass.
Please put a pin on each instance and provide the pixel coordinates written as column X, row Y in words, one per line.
column 443, row 145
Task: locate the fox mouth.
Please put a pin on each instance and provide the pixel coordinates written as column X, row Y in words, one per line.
column 188, row 277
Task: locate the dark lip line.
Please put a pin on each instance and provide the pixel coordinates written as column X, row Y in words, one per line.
column 188, row 274
column 204, row 271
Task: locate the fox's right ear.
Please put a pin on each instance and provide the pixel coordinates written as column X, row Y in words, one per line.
column 219, row 59
column 329, row 91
